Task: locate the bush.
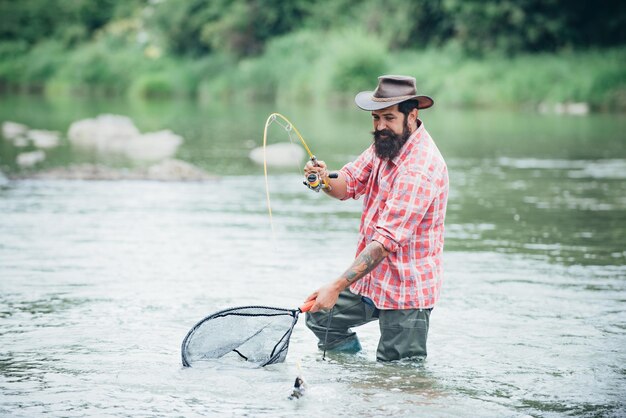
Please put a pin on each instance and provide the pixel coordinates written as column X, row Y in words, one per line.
column 43, row 61
column 270, row 75
column 95, row 68
column 355, row 60
column 12, row 62
column 313, row 65
column 170, row 78
column 307, row 65
column 152, row 85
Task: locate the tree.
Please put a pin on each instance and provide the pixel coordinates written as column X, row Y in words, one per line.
column 241, row 27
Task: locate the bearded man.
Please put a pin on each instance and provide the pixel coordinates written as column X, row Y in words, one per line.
column 397, row 274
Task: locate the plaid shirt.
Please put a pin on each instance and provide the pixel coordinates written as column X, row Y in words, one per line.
column 404, row 210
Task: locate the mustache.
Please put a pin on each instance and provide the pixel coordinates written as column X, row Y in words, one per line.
column 383, row 133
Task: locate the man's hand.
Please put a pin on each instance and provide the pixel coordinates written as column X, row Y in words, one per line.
column 338, row 186
column 320, row 169
column 326, row 297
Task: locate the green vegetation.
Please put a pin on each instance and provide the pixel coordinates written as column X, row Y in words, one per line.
column 320, row 66
column 488, row 53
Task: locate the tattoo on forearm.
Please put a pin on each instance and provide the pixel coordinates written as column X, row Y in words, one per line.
column 365, row 262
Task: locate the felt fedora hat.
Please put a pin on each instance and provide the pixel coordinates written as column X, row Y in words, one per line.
column 391, row 90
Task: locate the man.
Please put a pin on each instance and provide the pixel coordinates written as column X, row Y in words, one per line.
column 397, row 274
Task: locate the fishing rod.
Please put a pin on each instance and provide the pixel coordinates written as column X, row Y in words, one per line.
column 312, row 181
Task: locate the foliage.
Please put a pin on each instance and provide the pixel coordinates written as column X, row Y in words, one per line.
column 68, row 21
column 240, row 27
column 595, row 77
column 306, row 65
column 513, row 26
column 318, row 66
column 98, row 67
column 479, row 26
column 12, row 61
column 243, row 27
column 468, row 52
column 353, row 60
column 400, row 23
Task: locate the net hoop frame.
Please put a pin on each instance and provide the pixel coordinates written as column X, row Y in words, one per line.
column 280, row 346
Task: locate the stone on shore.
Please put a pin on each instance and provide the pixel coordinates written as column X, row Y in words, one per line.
column 44, row 139
column 105, row 133
column 283, row 154
column 30, row 159
column 20, row 142
column 179, row 170
column 167, row 170
column 12, row 130
column 566, row 108
column 115, row 134
column 153, row 146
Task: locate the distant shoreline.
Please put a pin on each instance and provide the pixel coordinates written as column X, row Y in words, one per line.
column 572, row 82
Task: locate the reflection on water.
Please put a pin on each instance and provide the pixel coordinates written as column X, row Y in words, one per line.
column 522, row 206
column 100, row 281
column 36, row 308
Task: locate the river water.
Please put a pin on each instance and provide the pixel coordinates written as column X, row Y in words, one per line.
column 100, row 281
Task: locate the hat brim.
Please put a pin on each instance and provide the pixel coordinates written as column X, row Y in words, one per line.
column 365, row 101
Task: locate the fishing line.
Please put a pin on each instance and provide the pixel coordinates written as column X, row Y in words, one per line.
column 330, row 318
column 289, row 128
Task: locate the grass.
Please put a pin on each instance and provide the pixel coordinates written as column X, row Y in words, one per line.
column 318, row 66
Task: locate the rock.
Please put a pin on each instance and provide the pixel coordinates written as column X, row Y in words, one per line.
column 21, row 136
column 76, row 172
column 105, row 133
column 178, row 170
column 559, row 108
column 29, row 159
column 12, row 130
column 284, row 154
column 566, row 108
column 153, row 146
column 4, row 181
column 577, row 109
column 168, row 170
column 118, row 134
column 20, row 142
column 44, row 139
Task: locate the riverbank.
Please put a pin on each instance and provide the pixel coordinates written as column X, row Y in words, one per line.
column 314, row 66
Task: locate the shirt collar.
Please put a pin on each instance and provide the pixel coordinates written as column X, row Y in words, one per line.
column 415, row 137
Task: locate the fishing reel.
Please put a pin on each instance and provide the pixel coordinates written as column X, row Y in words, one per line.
column 315, row 183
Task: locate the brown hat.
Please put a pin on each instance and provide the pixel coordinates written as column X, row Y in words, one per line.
column 391, row 90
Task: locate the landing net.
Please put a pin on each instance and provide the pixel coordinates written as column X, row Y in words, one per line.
column 257, row 334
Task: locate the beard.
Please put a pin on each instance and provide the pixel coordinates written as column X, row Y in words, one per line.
column 388, row 144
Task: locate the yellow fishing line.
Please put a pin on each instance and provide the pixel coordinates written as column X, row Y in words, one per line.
column 290, row 126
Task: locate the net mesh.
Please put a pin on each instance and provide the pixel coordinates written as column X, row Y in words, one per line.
column 257, row 334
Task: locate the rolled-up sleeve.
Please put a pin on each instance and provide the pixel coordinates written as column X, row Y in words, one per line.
column 407, row 203
column 357, row 174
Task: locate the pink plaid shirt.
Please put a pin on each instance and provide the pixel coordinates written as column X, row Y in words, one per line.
column 404, row 210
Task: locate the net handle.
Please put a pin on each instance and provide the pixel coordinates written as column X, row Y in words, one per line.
column 306, row 307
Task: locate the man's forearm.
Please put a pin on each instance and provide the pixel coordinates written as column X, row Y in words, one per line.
column 366, row 261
